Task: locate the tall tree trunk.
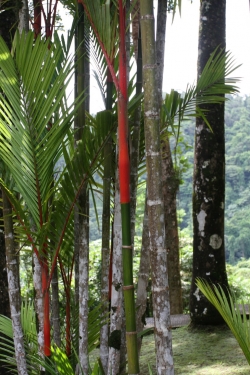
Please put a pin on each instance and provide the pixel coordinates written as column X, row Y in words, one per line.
column 158, row 254
column 143, row 277
column 83, row 201
column 170, row 188
column 14, row 287
column 117, row 323
column 135, row 142
column 107, row 187
column 170, row 185
column 8, row 18
column 209, row 177
column 37, row 282
column 4, row 296
column 24, row 17
column 55, row 309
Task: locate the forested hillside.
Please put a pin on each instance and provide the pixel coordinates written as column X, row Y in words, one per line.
column 237, row 210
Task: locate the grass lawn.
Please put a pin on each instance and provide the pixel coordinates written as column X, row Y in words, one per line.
column 211, row 351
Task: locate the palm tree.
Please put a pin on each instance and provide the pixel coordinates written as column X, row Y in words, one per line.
column 209, row 177
column 33, row 138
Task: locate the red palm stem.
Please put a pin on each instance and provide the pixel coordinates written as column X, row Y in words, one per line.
column 124, row 167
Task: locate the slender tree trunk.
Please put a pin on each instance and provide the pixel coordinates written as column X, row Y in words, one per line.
column 14, row 287
column 158, row 254
column 55, row 309
column 107, row 176
column 4, row 297
column 24, row 17
column 8, row 19
column 37, row 282
column 83, row 280
column 143, row 276
column 9, row 261
column 209, row 177
column 170, row 188
column 135, row 142
column 116, row 343
column 83, row 202
column 170, row 185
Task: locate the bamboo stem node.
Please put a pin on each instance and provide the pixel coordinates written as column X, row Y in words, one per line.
column 127, row 247
column 131, row 333
column 128, row 287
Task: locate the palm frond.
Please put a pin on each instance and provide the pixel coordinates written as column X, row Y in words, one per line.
column 31, row 136
column 228, row 308
column 214, row 83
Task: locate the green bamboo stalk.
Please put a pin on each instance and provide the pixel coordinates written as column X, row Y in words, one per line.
column 93, row 8
column 124, row 170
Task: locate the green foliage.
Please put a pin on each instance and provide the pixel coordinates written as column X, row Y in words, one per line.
column 186, row 266
column 238, row 279
column 228, row 308
column 59, row 362
column 237, row 213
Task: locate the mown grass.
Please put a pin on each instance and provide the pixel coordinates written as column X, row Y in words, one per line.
column 206, row 351
column 203, row 351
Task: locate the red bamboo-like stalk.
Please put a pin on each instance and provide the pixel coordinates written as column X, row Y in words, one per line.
column 38, row 12
column 124, row 176
column 37, row 25
column 124, row 168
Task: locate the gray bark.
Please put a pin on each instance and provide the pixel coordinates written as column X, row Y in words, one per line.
column 170, row 188
column 82, row 208
column 55, row 309
column 170, row 183
column 158, row 253
column 14, row 288
column 37, row 282
column 107, row 187
column 209, row 177
column 24, row 17
column 83, row 281
column 143, row 276
column 117, row 318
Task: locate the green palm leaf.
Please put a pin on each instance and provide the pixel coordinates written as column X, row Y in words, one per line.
column 31, row 135
column 212, row 86
column 228, row 308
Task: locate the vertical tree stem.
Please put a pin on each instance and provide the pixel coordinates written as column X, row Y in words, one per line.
column 124, row 173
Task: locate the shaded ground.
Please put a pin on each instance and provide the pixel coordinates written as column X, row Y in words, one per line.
column 213, row 351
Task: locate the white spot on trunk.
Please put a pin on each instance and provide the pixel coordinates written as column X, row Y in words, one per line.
column 206, row 163
column 154, row 203
column 196, row 294
column 200, row 127
column 205, row 311
column 204, row 18
column 215, row 241
column 207, row 273
column 201, row 220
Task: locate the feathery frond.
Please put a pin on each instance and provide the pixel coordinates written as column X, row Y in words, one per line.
column 228, row 308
